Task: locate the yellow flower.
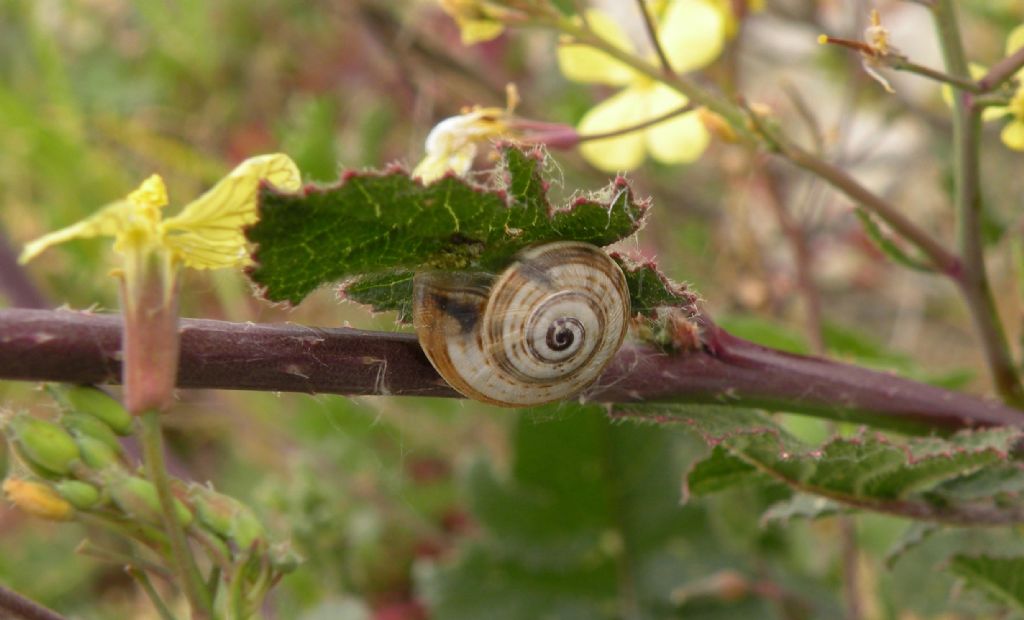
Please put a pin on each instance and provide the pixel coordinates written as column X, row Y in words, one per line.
column 475, row 20
column 452, row 144
column 692, row 33
column 1013, row 133
column 37, row 499
column 207, row 234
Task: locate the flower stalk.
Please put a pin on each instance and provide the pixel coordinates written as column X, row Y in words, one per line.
column 973, row 280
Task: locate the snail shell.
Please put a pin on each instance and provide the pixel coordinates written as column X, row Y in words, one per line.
column 542, row 331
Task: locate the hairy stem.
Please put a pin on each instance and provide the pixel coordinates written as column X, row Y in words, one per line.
column 81, row 347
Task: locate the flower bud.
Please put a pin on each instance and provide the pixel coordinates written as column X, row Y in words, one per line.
column 98, row 404
column 226, row 516
column 37, row 499
column 45, row 447
column 81, row 494
column 138, row 498
column 81, row 424
column 96, row 454
column 284, row 558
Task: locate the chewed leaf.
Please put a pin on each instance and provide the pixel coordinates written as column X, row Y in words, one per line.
column 383, row 291
column 381, row 223
column 930, row 478
column 649, row 289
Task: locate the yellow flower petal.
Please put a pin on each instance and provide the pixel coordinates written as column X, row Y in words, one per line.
column 109, row 222
column 207, row 234
column 692, row 34
column 620, row 153
column 681, row 140
column 475, row 31
column 677, row 141
column 581, row 63
column 1013, row 135
column 474, row 20
column 1016, row 40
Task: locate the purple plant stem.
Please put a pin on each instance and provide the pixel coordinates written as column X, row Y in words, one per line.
column 81, row 347
column 17, row 607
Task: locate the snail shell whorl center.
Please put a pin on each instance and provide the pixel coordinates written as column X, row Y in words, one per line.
column 543, row 331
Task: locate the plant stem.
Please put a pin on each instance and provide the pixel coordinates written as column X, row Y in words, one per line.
column 940, row 258
column 147, row 587
column 17, row 607
column 637, row 127
column 181, row 555
column 80, row 347
column 973, row 279
column 900, row 63
column 87, row 548
column 943, row 260
column 652, row 35
column 1002, row 71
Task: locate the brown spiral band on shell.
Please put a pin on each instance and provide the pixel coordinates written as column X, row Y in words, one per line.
column 542, row 331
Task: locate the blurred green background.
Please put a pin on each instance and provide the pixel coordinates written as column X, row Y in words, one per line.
column 411, row 509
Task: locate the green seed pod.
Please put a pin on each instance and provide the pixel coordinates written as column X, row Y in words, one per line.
column 96, row 454
column 226, row 516
column 98, row 404
column 81, row 495
column 137, row 498
column 81, row 424
column 44, row 446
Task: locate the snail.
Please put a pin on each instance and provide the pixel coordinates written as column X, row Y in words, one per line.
column 542, row 331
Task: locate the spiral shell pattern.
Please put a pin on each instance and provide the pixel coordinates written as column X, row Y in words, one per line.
column 542, row 331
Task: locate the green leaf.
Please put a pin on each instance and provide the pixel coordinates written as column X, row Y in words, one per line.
column 1002, row 579
column 649, row 289
column 384, row 291
column 585, row 523
column 887, row 246
column 720, row 470
column 376, row 223
column 915, row 477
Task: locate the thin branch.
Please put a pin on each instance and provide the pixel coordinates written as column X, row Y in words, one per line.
column 17, row 607
column 900, row 62
column 80, row 347
column 190, row 580
column 147, row 586
column 941, row 258
column 638, row 126
column 1002, row 71
column 973, row 280
column 652, row 35
column 795, row 235
column 739, row 120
